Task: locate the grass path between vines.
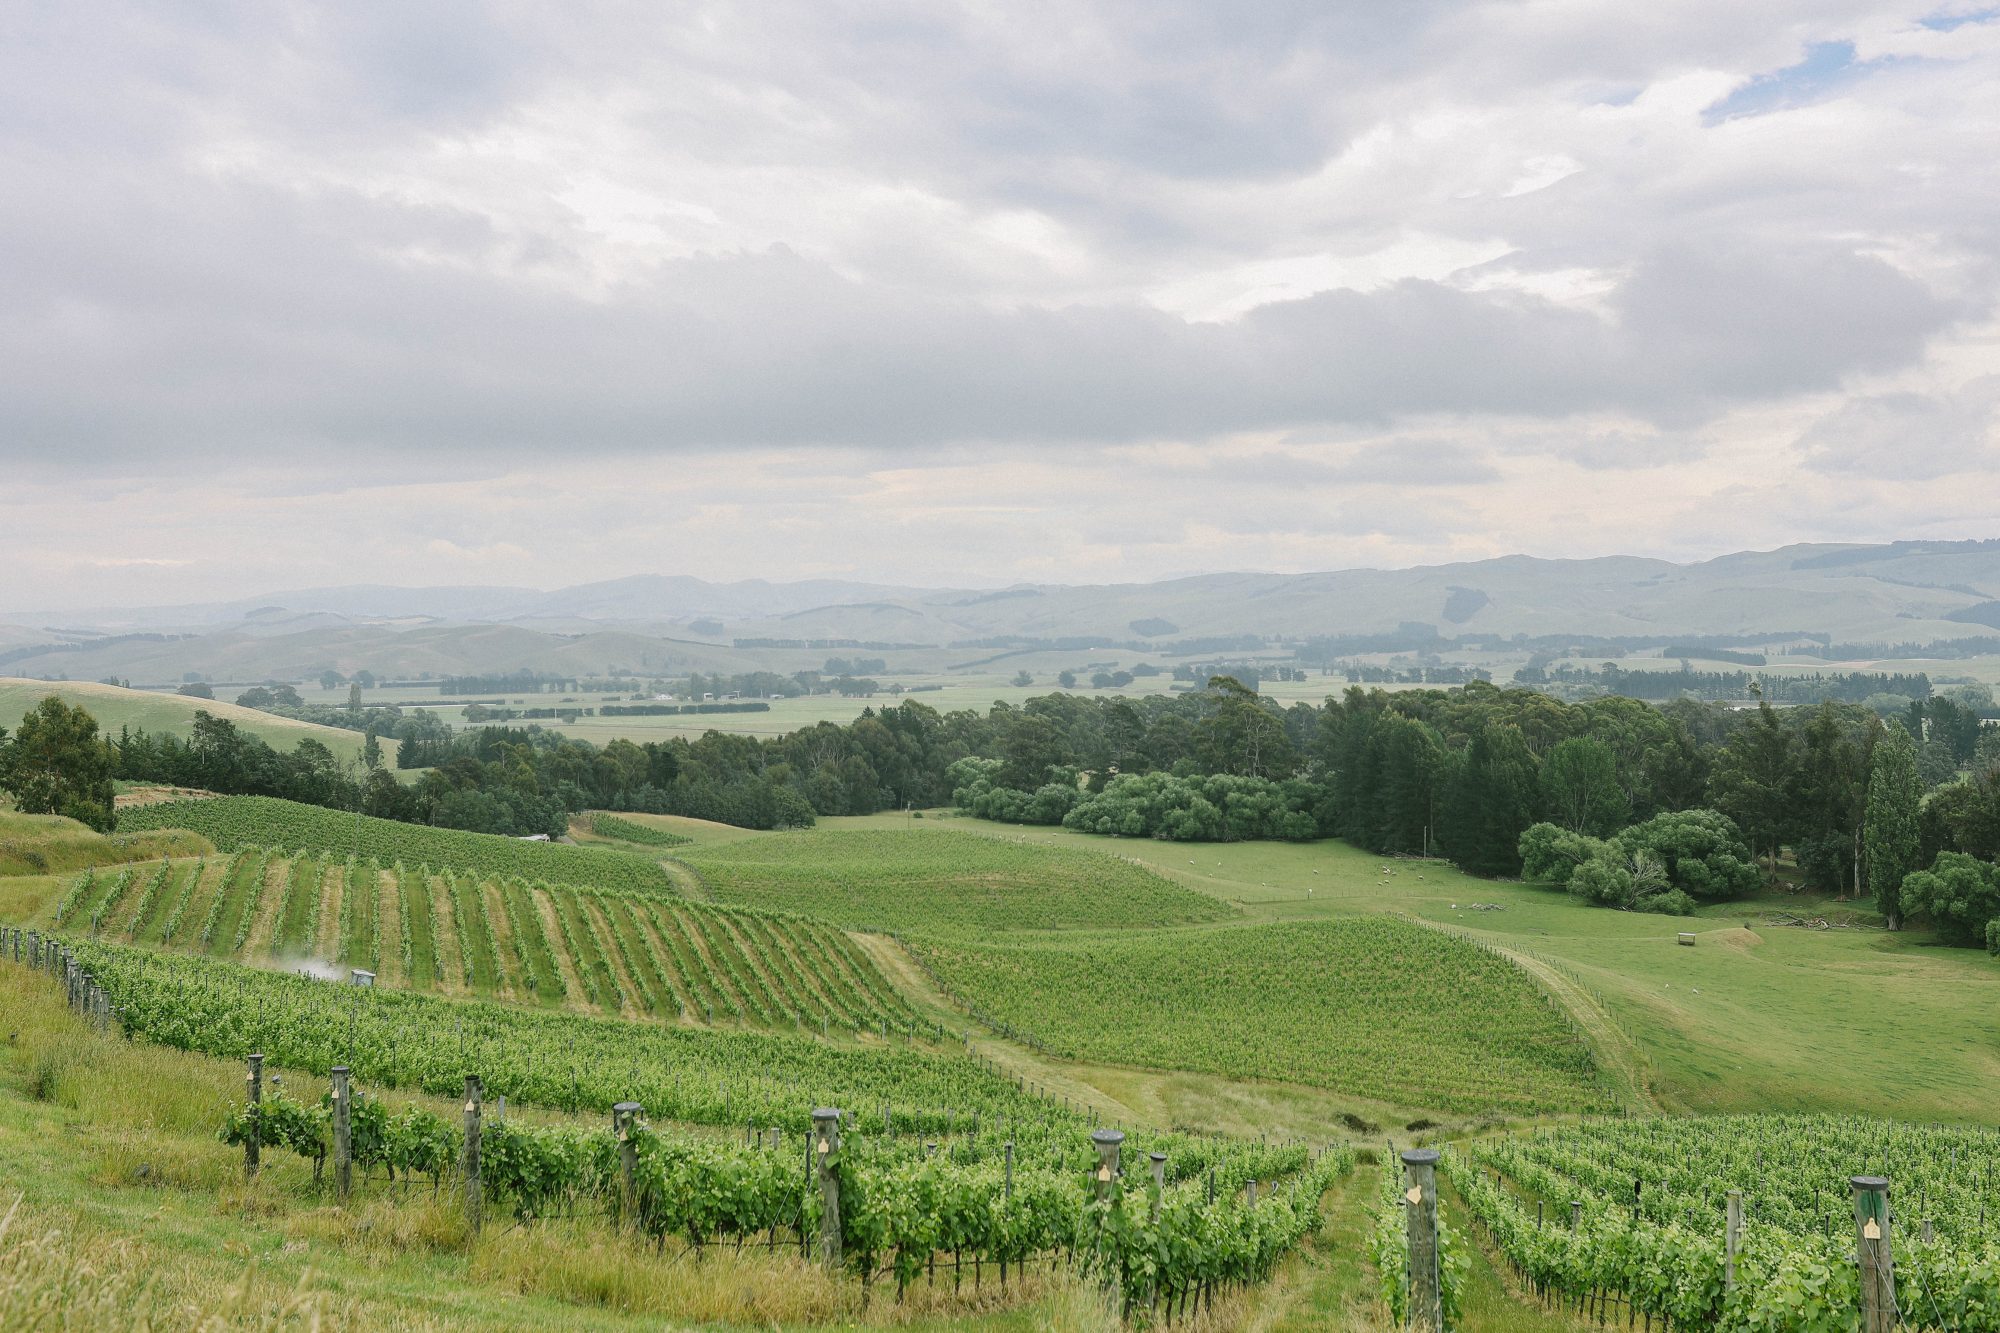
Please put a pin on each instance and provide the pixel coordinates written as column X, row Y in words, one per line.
column 1616, row 1054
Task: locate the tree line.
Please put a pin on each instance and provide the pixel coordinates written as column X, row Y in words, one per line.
column 1624, row 802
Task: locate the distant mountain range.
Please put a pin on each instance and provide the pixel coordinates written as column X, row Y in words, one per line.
column 1903, row 592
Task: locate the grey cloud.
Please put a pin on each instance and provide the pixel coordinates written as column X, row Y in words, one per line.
column 152, row 311
column 1907, row 436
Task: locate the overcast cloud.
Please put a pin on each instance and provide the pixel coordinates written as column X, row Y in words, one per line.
column 930, row 293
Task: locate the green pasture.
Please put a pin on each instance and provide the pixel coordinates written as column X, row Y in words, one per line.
column 1754, row 1016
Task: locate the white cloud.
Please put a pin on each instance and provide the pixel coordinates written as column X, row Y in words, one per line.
column 956, row 286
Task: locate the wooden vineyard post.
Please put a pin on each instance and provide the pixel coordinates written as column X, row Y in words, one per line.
column 1732, row 1238
column 253, row 1145
column 1158, row 1161
column 624, row 1120
column 471, row 1159
column 343, row 1142
column 1872, row 1247
column 1420, row 1215
column 826, row 1155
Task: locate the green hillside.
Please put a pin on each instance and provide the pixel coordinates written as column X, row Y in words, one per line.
column 232, row 822
column 114, row 708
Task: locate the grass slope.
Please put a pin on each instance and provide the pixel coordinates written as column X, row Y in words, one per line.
column 1755, row 1017
column 114, row 707
column 903, row 878
column 1375, row 1007
column 243, row 821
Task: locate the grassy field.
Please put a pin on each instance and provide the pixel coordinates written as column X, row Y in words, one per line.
column 114, row 708
column 905, row 878
column 1371, row 1006
column 1753, row 1017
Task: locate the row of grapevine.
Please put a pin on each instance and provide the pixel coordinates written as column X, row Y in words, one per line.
column 625, row 952
column 548, row 1056
column 630, row 830
column 233, row 822
column 1159, row 1243
column 1635, row 1213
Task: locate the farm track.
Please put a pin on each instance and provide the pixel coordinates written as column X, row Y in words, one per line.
column 264, row 924
column 687, row 880
column 902, row 972
column 1616, row 1054
column 575, row 994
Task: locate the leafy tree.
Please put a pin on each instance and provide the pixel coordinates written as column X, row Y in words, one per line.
column 1751, row 782
column 1551, row 854
column 1890, row 835
column 371, row 753
column 56, row 764
column 1960, row 894
column 1066, row 679
column 196, row 689
column 354, row 697
column 1242, row 736
column 330, row 679
column 1699, row 852
column 267, row 697
column 1495, row 797
column 1829, row 790
column 1023, row 679
column 1580, row 787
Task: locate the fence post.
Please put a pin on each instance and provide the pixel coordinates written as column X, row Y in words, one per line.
column 624, row 1119
column 1732, row 1238
column 472, row 1199
column 1878, row 1268
column 253, row 1145
column 1420, row 1215
column 343, row 1141
column 1109, row 1144
column 826, row 1151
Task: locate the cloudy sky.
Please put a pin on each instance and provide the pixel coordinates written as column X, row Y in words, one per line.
column 971, row 294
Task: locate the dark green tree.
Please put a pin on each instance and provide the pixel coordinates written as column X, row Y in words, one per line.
column 1960, row 895
column 1752, row 780
column 1890, row 835
column 1580, row 787
column 57, row 764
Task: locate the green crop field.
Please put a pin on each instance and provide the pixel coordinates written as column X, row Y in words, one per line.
column 609, row 951
column 1373, row 1007
column 907, row 879
column 1755, row 1017
column 728, row 976
column 231, row 822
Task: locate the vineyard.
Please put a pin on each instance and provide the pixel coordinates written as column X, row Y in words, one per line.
column 629, row 830
column 975, row 1201
column 232, row 822
column 1650, row 1227
column 636, row 954
column 1008, row 1182
column 402, row 1039
column 1370, row 1006
column 939, row 880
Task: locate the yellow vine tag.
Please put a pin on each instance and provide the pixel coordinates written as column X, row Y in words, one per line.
column 824, row 1148
column 1414, row 1194
column 470, row 1107
column 1871, row 1229
column 1104, row 1173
